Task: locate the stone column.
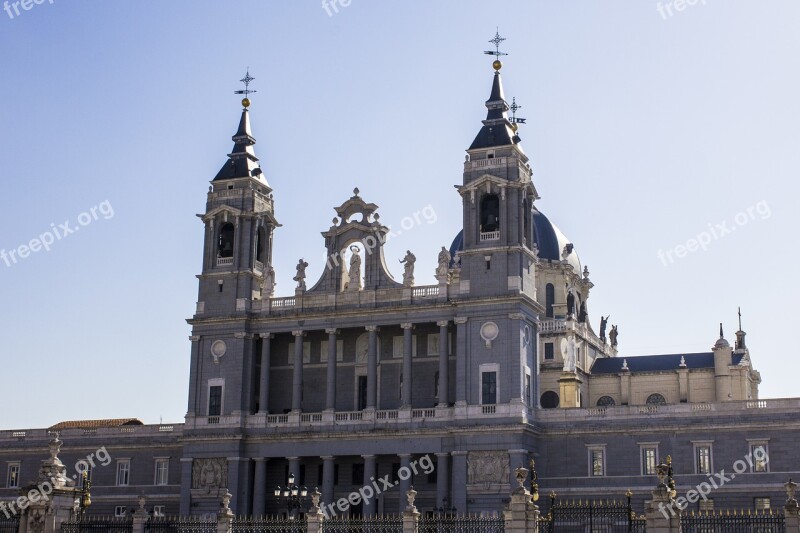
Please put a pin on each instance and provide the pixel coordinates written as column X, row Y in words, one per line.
column 444, row 365
column 328, row 470
column 404, row 484
column 330, row 390
column 459, row 491
column 234, row 473
column 266, row 356
column 260, row 487
column 408, row 375
column 372, row 368
column 662, row 512
column 442, row 478
column 370, row 507
column 461, row 361
column 294, row 468
column 297, row 376
column 193, row 371
column 186, row 486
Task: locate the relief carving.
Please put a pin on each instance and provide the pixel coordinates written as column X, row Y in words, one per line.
column 210, row 474
column 487, row 467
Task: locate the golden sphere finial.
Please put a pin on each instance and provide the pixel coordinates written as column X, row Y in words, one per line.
column 497, row 64
column 514, row 126
column 246, row 102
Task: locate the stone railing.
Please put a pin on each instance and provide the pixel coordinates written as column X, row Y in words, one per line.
column 143, row 431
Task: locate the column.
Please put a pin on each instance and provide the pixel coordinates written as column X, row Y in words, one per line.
column 444, row 365
column 460, row 481
column 260, row 487
column 266, row 356
column 193, row 371
column 461, row 361
column 328, row 470
column 370, row 507
column 408, row 376
column 405, row 484
column 294, row 468
column 442, row 479
column 372, row 368
column 186, row 485
column 330, row 398
column 234, row 470
column 297, row 377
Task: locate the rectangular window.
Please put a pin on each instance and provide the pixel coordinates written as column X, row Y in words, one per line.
column 597, row 462
column 548, row 351
column 759, row 457
column 159, row 510
column 489, row 388
column 703, row 455
column 215, row 400
column 162, row 472
column 12, row 481
column 120, row 511
column 761, row 503
column 649, row 460
column 528, row 399
column 358, row 474
column 123, row 472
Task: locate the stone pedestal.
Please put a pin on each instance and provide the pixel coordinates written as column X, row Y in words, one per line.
column 569, row 390
column 521, row 515
column 662, row 512
column 792, row 511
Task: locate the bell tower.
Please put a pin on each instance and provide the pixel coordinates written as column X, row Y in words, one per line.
column 239, row 225
column 497, row 255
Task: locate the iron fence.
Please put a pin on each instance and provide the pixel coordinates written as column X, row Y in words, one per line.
column 364, row 524
column 180, row 524
column 592, row 516
column 104, row 524
column 473, row 523
column 268, row 524
column 766, row 521
column 9, row 525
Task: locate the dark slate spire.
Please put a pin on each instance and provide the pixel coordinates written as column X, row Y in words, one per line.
column 497, row 130
column 242, row 161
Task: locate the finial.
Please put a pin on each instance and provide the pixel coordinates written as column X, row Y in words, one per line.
column 497, row 64
column 355, row 192
column 247, row 90
column 740, row 319
column 721, row 334
column 514, row 120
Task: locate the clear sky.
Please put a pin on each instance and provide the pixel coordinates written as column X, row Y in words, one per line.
column 646, row 129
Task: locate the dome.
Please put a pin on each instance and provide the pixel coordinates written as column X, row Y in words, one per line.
column 550, row 240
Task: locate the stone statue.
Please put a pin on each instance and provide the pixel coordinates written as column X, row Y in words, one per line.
column 582, row 314
column 603, row 325
column 408, row 274
column 569, row 349
column 613, row 335
column 268, row 283
column 354, row 284
column 443, row 270
column 300, row 277
column 570, row 303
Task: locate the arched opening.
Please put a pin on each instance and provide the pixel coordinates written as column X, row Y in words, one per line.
column 549, row 400
column 550, row 299
column 526, row 227
column 261, row 246
column 656, row 399
column 606, row 401
column 490, row 213
column 225, row 245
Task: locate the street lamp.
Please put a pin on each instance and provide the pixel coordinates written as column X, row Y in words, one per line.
column 293, row 495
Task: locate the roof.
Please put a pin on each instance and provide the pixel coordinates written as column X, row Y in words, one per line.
column 551, row 241
column 91, row 424
column 657, row 363
column 496, row 130
column 242, row 160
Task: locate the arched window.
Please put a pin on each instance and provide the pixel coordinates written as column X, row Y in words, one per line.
column 550, row 299
column 606, row 401
column 490, row 213
column 225, row 245
column 261, row 245
column 656, row 399
column 549, row 400
column 526, row 225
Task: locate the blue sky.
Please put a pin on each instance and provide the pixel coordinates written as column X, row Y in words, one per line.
column 644, row 130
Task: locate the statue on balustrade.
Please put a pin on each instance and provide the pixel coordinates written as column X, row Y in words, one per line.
column 300, row 277
column 443, row 270
column 408, row 265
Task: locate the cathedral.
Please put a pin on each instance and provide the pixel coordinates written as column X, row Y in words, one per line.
column 360, row 374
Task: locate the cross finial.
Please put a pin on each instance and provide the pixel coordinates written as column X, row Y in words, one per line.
column 496, row 42
column 247, row 90
column 513, row 107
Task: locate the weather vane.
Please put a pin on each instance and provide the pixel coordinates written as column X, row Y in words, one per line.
column 513, row 107
column 497, row 64
column 246, row 91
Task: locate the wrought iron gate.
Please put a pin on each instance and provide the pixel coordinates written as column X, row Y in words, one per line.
column 592, row 517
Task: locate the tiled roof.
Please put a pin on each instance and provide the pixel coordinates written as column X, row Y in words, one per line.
column 89, row 424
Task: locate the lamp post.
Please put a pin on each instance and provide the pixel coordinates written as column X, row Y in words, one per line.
column 84, row 499
column 446, row 508
column 292, row 495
